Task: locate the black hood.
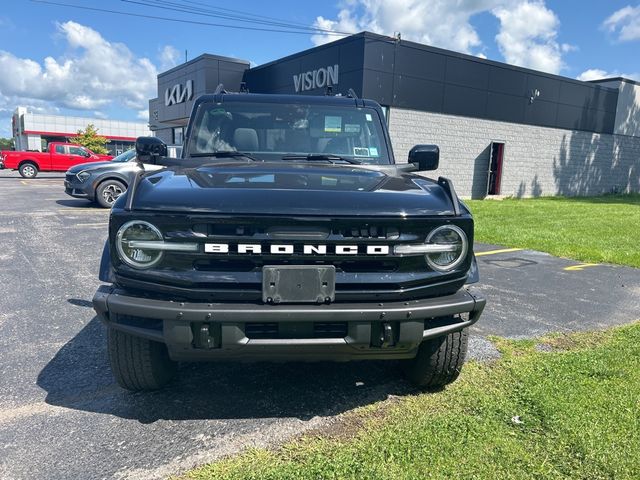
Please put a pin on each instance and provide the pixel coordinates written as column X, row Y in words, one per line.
column 270, row 188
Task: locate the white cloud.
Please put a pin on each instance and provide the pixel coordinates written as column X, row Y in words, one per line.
column 599, row 74
column 440, row 23
column 592, row 74
column 8, row 105
column 169, row 57
column 94, row 74
column 625, row 23
column 528, row 34
column 143, row 114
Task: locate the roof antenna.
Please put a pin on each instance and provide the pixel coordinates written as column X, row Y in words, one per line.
column 329, row 90
column 352, row 94
column 243, row 87
column 219, row 89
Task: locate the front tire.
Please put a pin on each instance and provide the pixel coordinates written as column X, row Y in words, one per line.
column 439, row 361
column 28, row 170
column 108, row 192
column 137, row 363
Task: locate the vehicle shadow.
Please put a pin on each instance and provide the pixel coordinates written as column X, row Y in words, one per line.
column 78, row 203
column 79, row 302
column 79, row 377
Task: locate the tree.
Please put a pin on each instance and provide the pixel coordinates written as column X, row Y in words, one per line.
column 6, row 143
column 90, row 139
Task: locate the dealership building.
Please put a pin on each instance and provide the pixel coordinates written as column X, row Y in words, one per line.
column 32, row 131
column 501, row 129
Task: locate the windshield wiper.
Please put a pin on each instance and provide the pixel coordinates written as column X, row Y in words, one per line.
column 322, row 157
column 226, row 154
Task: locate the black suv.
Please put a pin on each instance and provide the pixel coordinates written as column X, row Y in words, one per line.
column 287, row 231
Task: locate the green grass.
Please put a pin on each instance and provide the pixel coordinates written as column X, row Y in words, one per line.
column 590, row 229
column 579, row 404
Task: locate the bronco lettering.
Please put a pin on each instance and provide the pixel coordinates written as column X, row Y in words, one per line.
column 253, row 249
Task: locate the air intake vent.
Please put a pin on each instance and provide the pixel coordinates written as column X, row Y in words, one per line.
column 371, row 231
column 261, row 330
column 225, row 229
column 330, row 329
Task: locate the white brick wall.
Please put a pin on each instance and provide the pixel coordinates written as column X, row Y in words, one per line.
column 537, row 160
column 164, row 134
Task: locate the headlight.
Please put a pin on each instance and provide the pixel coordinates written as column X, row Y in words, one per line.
column 83, row 175
column 130, row 242
column 447, row 236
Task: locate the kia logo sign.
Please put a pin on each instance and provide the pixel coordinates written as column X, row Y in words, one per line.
column 178, row 93
column 322, row 77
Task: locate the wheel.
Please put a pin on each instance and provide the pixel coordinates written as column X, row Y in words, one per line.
column 439, row 361
column 137, row 363
column 108, row 192
column 28, row 170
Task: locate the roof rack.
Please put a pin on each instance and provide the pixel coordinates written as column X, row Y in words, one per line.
column 352, row 94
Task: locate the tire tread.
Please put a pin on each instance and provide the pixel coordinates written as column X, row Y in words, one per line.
column 438, row 361
column 137, row 363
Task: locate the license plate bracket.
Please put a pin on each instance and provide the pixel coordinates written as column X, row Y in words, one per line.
column 298, row 284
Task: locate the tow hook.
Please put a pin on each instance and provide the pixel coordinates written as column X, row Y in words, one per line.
column 386, row 335
column 206, row 335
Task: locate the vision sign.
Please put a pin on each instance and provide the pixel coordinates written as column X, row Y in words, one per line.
column 320, row 78
column 178, row 93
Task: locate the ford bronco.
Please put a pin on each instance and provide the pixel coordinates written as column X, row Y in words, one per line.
column 287, row 232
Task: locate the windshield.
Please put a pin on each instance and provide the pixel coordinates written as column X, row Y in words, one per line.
column 125, row 157
column 273, row 131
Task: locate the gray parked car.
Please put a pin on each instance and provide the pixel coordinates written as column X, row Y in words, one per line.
column 104, row 182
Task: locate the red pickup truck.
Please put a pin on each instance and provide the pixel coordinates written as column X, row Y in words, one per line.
column 59, row 158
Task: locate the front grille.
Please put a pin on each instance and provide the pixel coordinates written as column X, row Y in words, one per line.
column 256, row 263
column 70, row 177
column 371, row 231
column 294, row 232
column 225, row 229
column 238, row 277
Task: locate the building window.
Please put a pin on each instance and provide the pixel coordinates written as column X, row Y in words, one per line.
column 177, row 135
column 385, row 112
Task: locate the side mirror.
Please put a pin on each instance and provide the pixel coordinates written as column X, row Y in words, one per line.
column 149, row 149
column 425, row 157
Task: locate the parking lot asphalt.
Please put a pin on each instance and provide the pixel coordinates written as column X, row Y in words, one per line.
column 63, row 416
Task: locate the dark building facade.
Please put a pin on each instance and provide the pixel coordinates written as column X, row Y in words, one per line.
column 502, row 130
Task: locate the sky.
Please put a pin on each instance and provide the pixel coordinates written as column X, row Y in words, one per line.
column 58, row 59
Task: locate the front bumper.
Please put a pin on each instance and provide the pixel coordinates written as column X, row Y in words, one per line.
column 78, row 190
column 180, row 325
